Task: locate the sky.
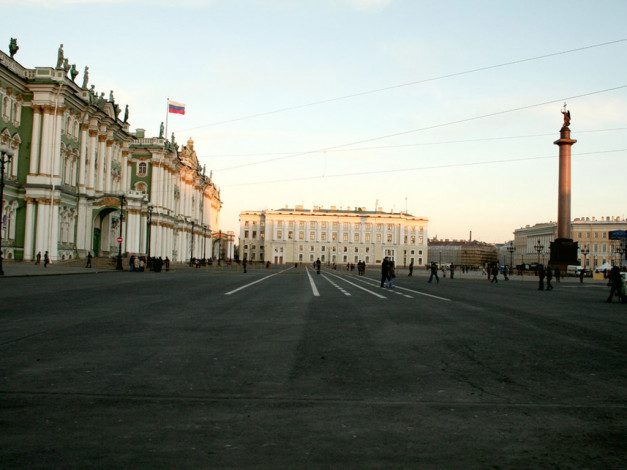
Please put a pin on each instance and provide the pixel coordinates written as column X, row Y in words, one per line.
column 447, row 110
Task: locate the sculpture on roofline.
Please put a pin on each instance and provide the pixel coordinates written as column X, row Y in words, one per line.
column 60, row 57
column 85, row 77
column 66, row 66
column 13, row 47
column 161, row 131
column 126, row 114
column 73, row 72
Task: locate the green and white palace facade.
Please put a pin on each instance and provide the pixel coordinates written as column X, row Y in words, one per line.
column 76, row 164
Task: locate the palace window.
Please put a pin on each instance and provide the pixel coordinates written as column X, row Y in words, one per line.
column 367, row 238
column 142, row 169
column 356, row 238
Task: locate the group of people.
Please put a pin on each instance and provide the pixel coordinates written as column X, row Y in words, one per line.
column 46, row 259
column 141, row 263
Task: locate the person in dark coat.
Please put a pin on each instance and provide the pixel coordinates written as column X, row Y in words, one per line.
column 558, row 274
column 541, row 275
column 495, row 273
column 434, row 272
column 318, row 265
column 384, row 271
column 615, row 281
column 549, row 276
column 89, row 257
column 411, row 269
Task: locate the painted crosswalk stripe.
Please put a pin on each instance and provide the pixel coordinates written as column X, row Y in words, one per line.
column 334, row 284
column 314, row 289
column 257, row 281
column 358, row 286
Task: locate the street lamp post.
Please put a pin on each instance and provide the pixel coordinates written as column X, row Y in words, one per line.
column 620, row 250
column 118, row 265
column 6, row 153
column 538, row 247
column 511, row 248
column 219, row 246
column 149, row 228
column 191, row 255
column 584, row 251
column 204, row 242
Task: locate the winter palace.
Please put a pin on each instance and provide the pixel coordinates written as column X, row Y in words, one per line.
column 76, row 167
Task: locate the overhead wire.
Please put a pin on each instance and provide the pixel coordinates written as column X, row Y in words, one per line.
column 428, row 167
column 392, row 87
column 416, row 144
column 421, row 129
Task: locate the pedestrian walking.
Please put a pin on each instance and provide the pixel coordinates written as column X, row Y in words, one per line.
column 244, row 265
column 411, row 269
column 558, row 274
column 452, row 271
column 46, row 260
column 89, row 257
column 167, row 263
column 318, row 263
column 616, row 282
column 384, row 271
column 391, row 275
column 434, row 272
column 495, row 273
column 38, row 258
column 581, row 275
column 541, row 275
column 549, row 276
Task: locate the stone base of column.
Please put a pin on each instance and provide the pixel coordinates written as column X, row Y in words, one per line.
column 563, row 253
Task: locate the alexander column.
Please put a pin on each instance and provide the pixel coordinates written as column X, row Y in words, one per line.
column 563, row 249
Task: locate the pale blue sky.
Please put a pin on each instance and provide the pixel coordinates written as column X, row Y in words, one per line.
column 228, row 59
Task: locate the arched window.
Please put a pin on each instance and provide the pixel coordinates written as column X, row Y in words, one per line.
column 142, row 169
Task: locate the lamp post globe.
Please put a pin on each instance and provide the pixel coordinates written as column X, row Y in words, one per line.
column 6, row 153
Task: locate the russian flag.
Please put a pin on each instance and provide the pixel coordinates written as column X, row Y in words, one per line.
column 176, row 108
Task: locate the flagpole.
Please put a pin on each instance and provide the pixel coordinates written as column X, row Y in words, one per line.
column 167, row 113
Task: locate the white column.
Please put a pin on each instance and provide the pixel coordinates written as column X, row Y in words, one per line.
column 41, row 227
column 91, row 152
column 101, row 163
column 124, row 171
column 54, row 236
column 107, row 169
column 35, row 141
column 29, row 230
column 83, row 158
column 44, row 155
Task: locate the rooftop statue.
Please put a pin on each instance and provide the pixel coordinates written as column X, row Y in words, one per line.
column 85, row 77
column 66, row 65
column 73, row 72
column 60, row 57
column 161, row 131
column 126, row 114
column 13, row 47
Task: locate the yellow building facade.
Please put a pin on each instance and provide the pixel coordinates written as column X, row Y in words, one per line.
column 333, row 235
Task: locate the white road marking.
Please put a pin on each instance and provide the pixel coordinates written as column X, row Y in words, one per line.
column 313, row 285
column 413, row 291
column 334, row 284
column 255, row 282
column 358, row 287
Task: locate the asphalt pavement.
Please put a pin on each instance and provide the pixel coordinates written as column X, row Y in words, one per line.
column 285, row 368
